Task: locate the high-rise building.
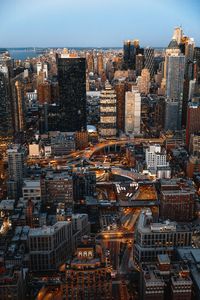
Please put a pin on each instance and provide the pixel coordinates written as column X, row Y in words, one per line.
column 139, row 64
column 6, row 123
column 39, row 67
column 131, row 49
column 144, row 82
column 197, row 64
column 15, row 171
column 193, row 120
column 178, row 34
column 44, row 92
column 171, row 121
column 174, row 71
column 50, row 246
column 107, row 126
column 72, row 88
column 100, row 64
column 19, row 112
column 149, row 60
column 132, row 112
column 90, row 62
column 120, row 89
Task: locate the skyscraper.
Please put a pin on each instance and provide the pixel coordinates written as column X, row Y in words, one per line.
column 175, row 68
column 15, row 171
column 132, row 112
column 193, row 120
column 72, row 87
column 178, row 34
column 90, row 62
column 100, row 65
column 197, row 64
column 6, row 126
column 107, row 127
column 149, row 60
column 131, row 49
column 144, row 82
column 139, row 64
column 120, row 89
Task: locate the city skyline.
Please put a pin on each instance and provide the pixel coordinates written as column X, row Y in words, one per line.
column 61, row 23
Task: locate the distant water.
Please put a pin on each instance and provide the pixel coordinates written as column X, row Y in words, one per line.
column 22, row 54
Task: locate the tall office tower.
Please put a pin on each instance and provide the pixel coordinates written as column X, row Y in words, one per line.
column 100, row 64
column 90, row 62
column 193, row 120
column 189, row 57
column 178, row 34
column 72, row 88
column 120, row 89
column 50, row 246
column 107, row 126
column 197, row 64
column 88, row 274
column 44, row 92
column 132, row 112
column 139, row 64
column 175, row 68
column 153, row 238
column 45, row 69
column 127, row 52
column 144, row 82
column 6, row 120
column 19, row 111
column 171, row 115
column 131, row 49
column 15, row 171
column 149, row 60
column 39, row 67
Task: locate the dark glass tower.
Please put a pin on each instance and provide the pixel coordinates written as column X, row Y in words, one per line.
column 72, row 89
column 131, row 49
column 6, row 125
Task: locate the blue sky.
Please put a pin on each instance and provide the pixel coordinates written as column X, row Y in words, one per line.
column 95, row 22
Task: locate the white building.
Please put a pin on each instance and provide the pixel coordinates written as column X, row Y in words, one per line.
column 31, row 190
column 155, row 158
column 34, row 150
column 132, row 112
column 47, row 151
column 45, row 70
column 39, row 67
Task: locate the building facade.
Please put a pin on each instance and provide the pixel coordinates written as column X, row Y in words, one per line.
column 108, row 119
column 72, row 89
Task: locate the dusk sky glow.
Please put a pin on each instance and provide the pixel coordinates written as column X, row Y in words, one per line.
column 93, row 23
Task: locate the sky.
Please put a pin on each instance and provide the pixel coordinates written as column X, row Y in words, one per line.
column 95, row 23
